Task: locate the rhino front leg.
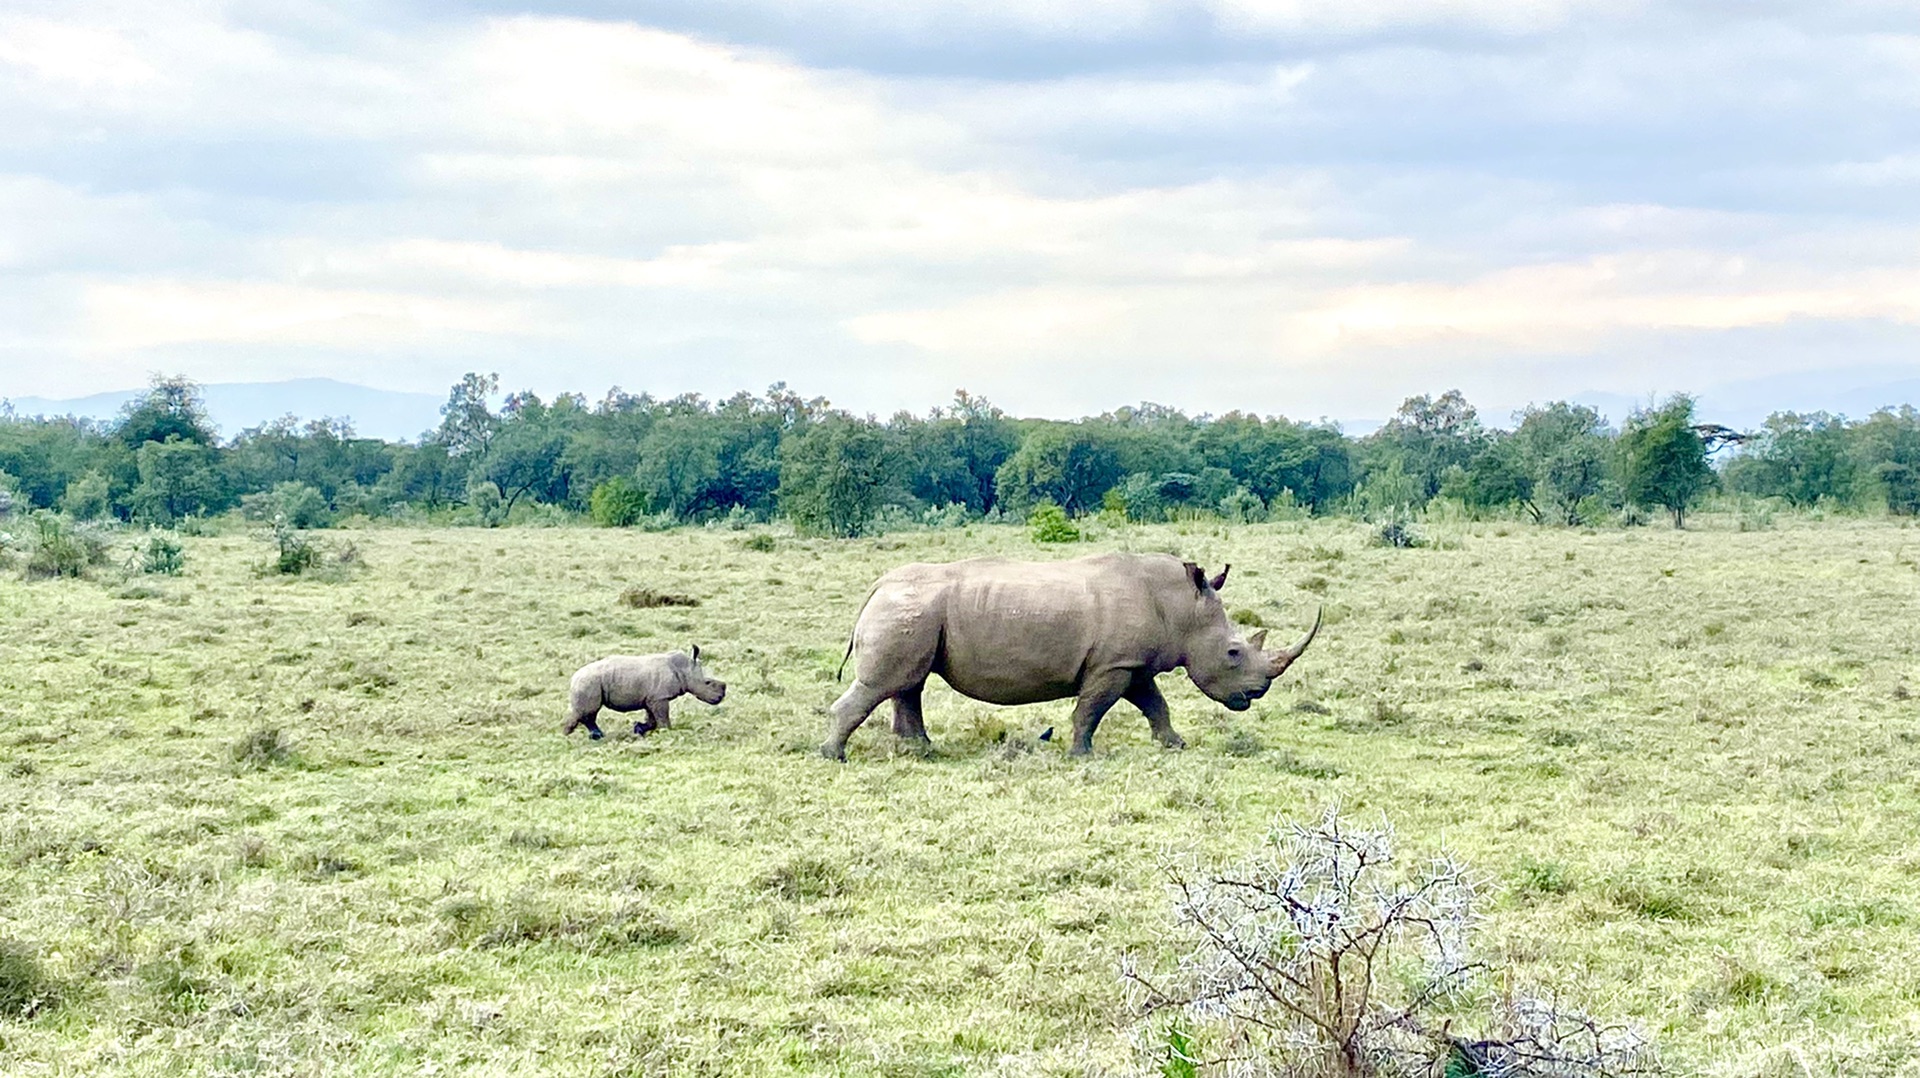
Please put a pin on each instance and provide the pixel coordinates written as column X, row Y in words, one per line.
column 657, row 711
column 908, row 722
column 849, row 712
column 1144, row 694
column 1098, row 694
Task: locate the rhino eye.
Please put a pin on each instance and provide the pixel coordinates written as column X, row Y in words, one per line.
column 1233, row 653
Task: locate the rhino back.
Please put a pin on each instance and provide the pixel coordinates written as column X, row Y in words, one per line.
column 1022, row 632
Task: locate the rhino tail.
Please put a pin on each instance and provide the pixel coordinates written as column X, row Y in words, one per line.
column 855, row 631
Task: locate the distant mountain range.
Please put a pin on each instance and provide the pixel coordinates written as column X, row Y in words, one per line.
column 393, row 415
column 235, row 406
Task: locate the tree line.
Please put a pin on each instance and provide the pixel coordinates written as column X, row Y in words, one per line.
column 638, row 460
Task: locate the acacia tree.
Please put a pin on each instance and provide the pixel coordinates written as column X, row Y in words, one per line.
column 1664, row 459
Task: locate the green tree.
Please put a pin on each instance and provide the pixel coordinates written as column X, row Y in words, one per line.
column 171, row 409
column 525, row 457
column 1067, row 464
column 1664, row 460
column 1275, row 456
column 833, row 475
column 178, row 478
column 467, row 424
column 952, row 456
column 1389, row 492
column 1564, row 448
column 1889, row 450
column 1802, row 458
column 86, row 497
column 1498, row 477
column 1426, row 437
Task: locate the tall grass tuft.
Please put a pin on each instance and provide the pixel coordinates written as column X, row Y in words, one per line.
column 25, row 988
column 268, row 746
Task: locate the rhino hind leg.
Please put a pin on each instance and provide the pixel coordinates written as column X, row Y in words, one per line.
column 1098, row 694
column 587, row 719
column 908, row 722
column 1145, row 695
column 849, row 712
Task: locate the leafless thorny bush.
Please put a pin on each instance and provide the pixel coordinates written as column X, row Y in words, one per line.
column 1317, row 959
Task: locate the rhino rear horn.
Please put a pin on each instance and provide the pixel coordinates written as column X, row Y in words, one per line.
column 1284, row 657
column 1219, row 581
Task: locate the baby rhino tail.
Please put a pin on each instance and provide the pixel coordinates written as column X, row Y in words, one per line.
column 584, row 700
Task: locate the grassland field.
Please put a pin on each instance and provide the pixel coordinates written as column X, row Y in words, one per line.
column 253, row 824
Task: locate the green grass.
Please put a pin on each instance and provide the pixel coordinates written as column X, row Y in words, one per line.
column 254, row 824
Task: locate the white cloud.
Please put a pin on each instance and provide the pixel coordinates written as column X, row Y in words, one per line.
column 124, row 317
column 1348, row 16
column 535, row 194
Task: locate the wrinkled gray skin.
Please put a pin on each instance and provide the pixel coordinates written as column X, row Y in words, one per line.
column 1099, row 629
column 638, row 683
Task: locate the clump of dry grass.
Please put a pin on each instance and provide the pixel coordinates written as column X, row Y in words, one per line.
column 263, row 747
column 645, row 598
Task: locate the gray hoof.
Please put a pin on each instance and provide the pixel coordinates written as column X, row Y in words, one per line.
column 595, row 734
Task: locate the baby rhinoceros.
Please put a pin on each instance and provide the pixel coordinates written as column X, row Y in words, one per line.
column 638, row 683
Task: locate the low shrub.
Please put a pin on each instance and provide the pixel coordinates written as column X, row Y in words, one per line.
column 1048, row 523
column 57, row 547
column 163, row 556
column 295, row 552
column 1398, row 534
column 1322, row 957
column 618, row 503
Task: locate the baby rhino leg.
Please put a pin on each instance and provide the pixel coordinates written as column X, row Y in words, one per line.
column 656, row 716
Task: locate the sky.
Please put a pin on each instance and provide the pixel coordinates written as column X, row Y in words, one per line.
column 1301, row 207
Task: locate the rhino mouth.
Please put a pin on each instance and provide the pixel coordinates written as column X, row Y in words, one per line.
column 1237, row 702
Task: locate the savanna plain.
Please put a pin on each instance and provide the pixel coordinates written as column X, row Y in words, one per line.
column 327, row 824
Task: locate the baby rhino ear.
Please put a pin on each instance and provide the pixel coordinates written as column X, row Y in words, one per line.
column 696, row 653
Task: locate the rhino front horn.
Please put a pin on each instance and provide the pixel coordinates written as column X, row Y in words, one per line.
column 1285, row 656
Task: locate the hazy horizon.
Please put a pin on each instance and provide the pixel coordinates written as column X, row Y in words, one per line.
column 394, row 416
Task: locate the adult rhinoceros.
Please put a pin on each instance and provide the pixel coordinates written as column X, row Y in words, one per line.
column 1098, row 628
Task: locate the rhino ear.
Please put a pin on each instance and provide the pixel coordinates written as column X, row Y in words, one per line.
column 696, row 653
column 1197, row 575
column 1220, row 580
